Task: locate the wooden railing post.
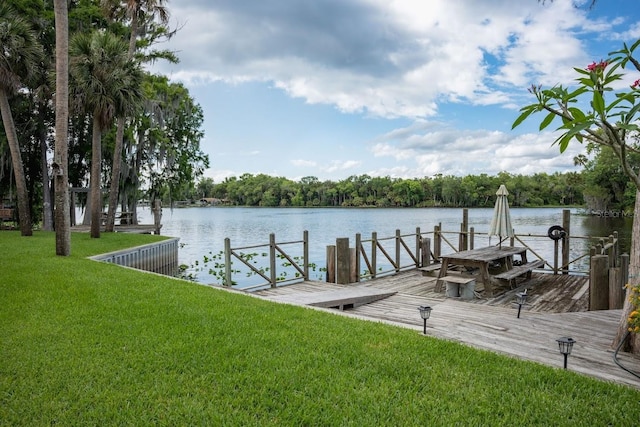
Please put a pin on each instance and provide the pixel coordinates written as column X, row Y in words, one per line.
column 374, row 254
column 426, row 252
column 566, row 224
column 305, row 254
column 471, row 238
column 227, row 262
column 611, row 253
column 437, row 241
column 464, row 241
column 599, row 283
column 418, row 247
column 272, row 259
column 356, row 260
column 398, row 250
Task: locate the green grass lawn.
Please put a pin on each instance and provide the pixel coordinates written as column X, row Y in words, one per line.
column 89, row 343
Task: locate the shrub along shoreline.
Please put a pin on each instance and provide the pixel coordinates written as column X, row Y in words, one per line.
column 83, row 342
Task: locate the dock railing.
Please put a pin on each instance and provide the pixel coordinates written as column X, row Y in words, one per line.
column 379, row 256
column 271, row 274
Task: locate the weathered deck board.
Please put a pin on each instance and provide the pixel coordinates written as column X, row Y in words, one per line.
column 557, row 308
column 352, row 296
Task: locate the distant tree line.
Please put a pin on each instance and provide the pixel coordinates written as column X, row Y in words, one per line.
column 600, row 185
column 363, row 190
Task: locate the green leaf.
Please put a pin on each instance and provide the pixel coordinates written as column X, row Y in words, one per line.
column 576, row 93
column 586, row 82
column 628, row 126
column 526, row 112
column 581, row 71
column 598, row 103
column 632, row 112
column 547, row 120
column 563, row 143
column 577, row 114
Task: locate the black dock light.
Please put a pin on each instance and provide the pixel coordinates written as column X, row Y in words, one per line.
column 565, row 344
column 521, row 299
column 425, row 312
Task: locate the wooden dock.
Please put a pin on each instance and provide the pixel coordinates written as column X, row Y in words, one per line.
column 557, row 307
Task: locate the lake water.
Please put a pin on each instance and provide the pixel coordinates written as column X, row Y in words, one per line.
column 202, row 230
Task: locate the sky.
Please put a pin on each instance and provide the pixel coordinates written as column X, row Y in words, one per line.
column 398, row 88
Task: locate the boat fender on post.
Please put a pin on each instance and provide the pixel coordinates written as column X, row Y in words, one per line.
column 556, row 232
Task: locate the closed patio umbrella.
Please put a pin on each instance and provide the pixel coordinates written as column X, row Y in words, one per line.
column 501, row 221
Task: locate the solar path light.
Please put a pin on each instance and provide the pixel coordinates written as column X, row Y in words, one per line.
column 565, row 344
column 425, row 312
column 521, row 299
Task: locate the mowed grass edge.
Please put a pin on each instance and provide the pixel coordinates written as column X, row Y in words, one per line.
column 83, row 342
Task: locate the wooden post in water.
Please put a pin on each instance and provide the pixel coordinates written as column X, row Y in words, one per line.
column 343, row 269
column 471, row 238
column 599, row 283
column 331, row 264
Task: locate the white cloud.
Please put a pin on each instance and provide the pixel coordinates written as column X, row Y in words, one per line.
column 456, row 152
column 390, row 59
column 303, row 163
column 341, row 165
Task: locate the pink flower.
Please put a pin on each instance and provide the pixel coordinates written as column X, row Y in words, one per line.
column 597, row 66
column 635, row 84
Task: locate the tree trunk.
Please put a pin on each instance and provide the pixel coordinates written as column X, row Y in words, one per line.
column 114, row 189
column 96, row 169
column 47, row 211
column 632, row 343
column 61, row 154
column 24, row 213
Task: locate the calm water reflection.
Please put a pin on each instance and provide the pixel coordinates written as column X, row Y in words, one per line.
column 203, row 230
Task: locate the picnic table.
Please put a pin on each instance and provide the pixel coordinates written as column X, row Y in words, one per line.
column 482, row 258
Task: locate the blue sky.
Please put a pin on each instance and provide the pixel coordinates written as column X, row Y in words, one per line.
column 400, row 88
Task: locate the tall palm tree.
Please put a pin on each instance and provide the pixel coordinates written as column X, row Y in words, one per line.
column 136, row 11
column 61, row 152
column 19, row 54
column 106, row 84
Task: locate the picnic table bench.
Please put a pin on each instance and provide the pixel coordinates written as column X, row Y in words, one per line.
column 481, row 258
column 519, row 270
